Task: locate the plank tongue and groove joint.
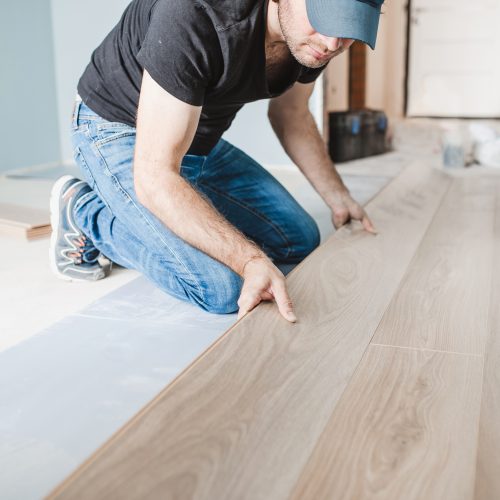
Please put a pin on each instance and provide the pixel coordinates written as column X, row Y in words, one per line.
column 488, row 455
column 268, row 409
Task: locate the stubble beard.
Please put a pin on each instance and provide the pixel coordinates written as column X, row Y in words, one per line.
column 283, row 18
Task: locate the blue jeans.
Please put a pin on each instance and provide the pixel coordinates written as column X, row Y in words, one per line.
column 246, row 194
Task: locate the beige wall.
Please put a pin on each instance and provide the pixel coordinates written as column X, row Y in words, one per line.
column 336, row 83
column 386, row 66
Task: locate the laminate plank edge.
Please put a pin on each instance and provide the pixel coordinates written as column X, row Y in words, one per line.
column 488, row 455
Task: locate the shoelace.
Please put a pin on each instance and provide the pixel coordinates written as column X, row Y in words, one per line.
column 87, row 253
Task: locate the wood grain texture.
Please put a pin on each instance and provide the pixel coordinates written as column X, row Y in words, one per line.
column 488, row 455
column 251, row 408
column 444, row 299
column 405, row 428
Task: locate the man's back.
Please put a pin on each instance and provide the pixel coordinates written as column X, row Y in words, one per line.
column 208, row 53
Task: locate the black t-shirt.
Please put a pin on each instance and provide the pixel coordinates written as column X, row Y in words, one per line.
column 208, row 53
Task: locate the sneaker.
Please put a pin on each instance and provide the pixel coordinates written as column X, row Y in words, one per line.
column 73, row 256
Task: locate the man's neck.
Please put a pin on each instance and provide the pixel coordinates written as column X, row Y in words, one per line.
column 274, row 36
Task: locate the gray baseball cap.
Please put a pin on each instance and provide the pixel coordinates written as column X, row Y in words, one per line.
column 357, row 19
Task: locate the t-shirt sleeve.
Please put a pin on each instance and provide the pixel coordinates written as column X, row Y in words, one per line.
column 181, row 50
column 310, row 74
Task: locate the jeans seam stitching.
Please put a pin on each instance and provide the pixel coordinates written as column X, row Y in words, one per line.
column 201, row 170
column 254, row 212
column 146, row 219
column 120, row 135
column 94, row 188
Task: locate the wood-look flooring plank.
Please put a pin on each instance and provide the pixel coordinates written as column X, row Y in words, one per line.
column 488, row 455
column 444, row 299
column 24, row 221
column 405, row 428
column 242, row 420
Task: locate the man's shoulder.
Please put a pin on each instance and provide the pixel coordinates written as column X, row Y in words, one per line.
column 222, row 13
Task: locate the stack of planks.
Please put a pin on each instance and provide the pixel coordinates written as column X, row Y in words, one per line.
column 24, row 222
column 385, row 388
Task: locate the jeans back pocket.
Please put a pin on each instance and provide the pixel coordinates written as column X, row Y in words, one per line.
column 109, row 131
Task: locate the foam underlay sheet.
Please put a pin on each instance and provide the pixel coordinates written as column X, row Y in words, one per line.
column 76, row 383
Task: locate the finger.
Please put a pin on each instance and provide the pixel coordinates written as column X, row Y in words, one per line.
column 251, row 305
column 356, row 211
column 368, row 225
column 246, row 303
column 283, row 301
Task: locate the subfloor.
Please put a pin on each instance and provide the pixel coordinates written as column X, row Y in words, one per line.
column 80, row 359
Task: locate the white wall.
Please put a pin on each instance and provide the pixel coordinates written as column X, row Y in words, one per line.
column 454, row 48
column 252, row 132
column 79, row 26
column 28, row 130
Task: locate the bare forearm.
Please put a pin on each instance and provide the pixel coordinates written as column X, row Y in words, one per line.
column 194, row 219
column 303, row 143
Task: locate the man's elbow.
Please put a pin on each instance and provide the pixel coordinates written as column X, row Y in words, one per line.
column 141, row 189
column 148, row 183
column 144, row 187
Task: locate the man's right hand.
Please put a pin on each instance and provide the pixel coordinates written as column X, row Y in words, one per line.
column 264, row 281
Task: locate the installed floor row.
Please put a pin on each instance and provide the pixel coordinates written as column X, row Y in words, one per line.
column 385, row 388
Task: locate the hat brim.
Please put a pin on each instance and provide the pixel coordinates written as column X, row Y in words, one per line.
column 345, row 19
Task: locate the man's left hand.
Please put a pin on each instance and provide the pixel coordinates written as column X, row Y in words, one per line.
column 344, row 209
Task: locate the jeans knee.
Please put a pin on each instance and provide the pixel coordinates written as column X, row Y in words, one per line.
column 315, row 237
column 308, row 241
column 222, row 295
column 220, row 292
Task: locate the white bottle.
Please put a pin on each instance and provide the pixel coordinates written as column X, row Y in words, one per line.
column 453, row 146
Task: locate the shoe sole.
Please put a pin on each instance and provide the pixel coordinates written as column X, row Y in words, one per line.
column 55, row 211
